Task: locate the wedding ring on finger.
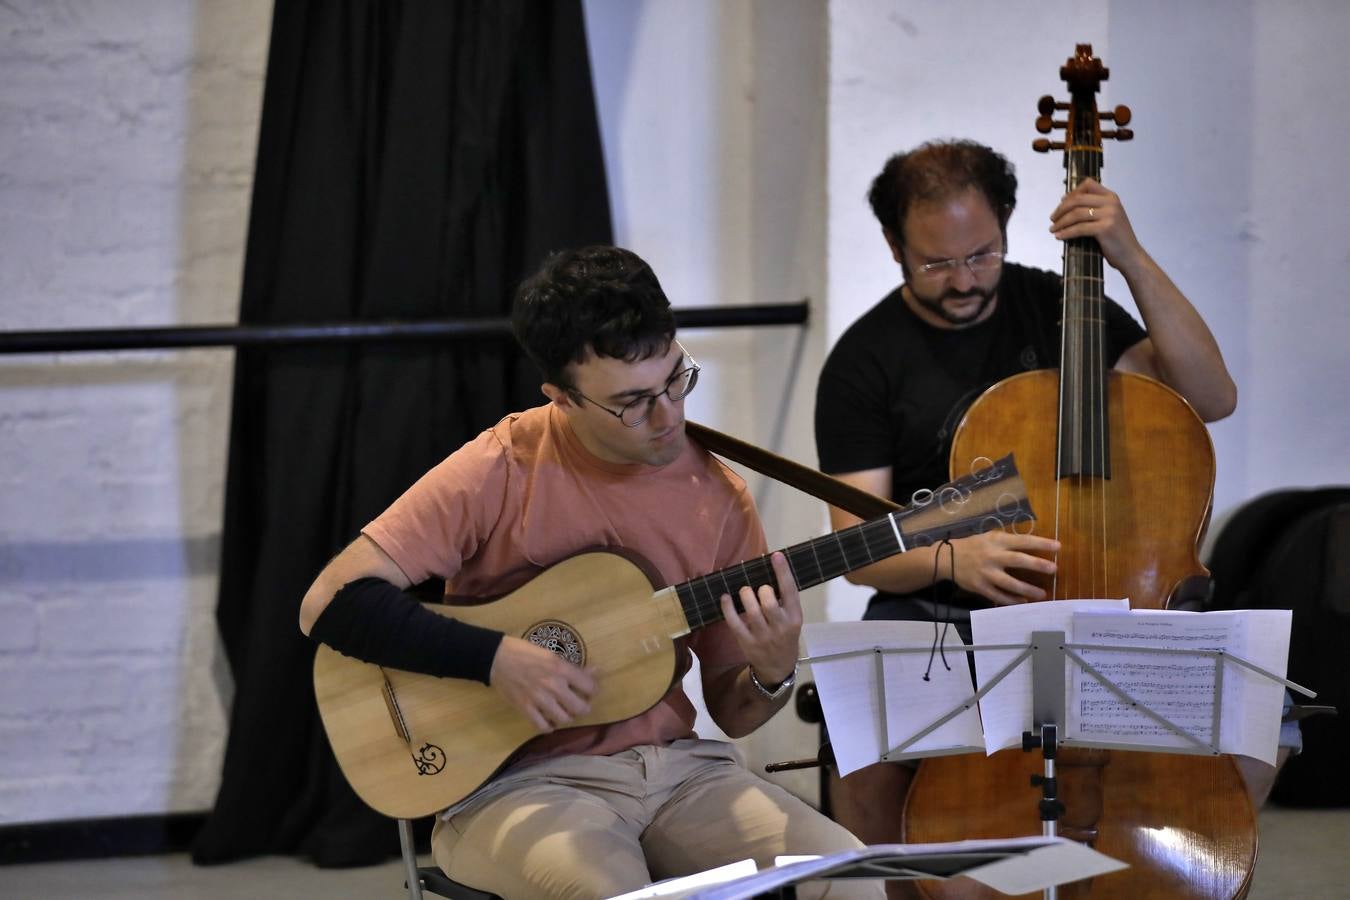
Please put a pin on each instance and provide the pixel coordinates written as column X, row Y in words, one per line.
column 1092, row 211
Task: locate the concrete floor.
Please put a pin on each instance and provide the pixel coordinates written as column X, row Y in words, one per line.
column 1304, row 854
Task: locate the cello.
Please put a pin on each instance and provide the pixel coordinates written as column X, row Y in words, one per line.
column 1125, row 483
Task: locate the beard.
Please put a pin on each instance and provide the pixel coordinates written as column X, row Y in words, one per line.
column 936, row 304
column 939, row 309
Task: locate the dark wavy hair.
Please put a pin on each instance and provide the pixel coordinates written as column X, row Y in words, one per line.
column 936, row 171
column 602, row 300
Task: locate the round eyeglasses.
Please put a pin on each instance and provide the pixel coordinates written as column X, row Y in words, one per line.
column 979, row 262
column 636, row 411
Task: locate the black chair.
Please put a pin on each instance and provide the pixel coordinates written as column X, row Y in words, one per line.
column 430, row 879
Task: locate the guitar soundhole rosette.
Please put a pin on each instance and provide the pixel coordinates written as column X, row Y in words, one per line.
column 559, row 638
column 429, row 759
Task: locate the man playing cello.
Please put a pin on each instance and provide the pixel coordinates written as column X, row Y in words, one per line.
column 900, row 379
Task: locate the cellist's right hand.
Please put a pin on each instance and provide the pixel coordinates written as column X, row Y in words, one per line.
column 548, row 689
column 985, row 565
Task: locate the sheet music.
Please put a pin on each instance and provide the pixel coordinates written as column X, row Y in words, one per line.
column 1010, row 865
column 1180, row 687
column 1266, row 636
column 851, row 698
column 689, row 885
column 1006, row 710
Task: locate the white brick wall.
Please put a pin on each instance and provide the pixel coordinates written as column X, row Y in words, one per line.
column 127, row 139
column 127, row 135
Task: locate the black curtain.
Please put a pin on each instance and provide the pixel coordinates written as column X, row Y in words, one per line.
column 416, row 158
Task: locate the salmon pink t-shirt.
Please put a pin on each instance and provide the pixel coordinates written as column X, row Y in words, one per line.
column 526, row 494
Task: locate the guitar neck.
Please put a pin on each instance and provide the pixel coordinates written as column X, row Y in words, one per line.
column 812, row 562
column 994, row 498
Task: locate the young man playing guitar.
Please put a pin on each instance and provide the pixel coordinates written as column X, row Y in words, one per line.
column 597, row 810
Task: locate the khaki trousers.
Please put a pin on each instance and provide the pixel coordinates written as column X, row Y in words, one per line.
column 590, row 827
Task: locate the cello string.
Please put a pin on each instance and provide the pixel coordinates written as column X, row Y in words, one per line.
column 1082, row 378
column 1096, row 372
column 1087, row 510
column 1061, row 437
column 1074, row 327
column 1091, row 447
column 1091, row 462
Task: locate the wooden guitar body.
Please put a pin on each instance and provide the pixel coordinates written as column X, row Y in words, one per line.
column 459, row 732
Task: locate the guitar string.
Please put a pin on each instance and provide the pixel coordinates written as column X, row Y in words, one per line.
column 762, row 570
column 836, row 558
column 836, row 552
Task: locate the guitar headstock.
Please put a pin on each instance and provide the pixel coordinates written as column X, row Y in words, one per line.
column 1084, row 74
column 991, row 497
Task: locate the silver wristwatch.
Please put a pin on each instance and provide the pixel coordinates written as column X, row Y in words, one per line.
column 778, row 690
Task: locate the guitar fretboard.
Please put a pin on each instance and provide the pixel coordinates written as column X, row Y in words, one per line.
column 991, row 498
column 812, row 562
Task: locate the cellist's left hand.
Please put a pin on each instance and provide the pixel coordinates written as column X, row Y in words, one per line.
column 1090, row 210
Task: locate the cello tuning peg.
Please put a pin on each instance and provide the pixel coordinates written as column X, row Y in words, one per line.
column 1041, row 145
column 1047, row 105
column 1120, row 134
column 1044, row 124
column 1121, row 115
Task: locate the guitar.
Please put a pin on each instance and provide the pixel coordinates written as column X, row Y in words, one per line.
column 413, row 744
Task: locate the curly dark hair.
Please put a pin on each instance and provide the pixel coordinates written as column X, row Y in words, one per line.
column 602, row 300
column 937, row 170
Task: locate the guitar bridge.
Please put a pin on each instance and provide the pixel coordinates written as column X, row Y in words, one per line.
column 395, row 714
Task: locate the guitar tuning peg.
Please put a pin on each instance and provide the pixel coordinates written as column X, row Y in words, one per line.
column 1120, row 134
column 1121, row 115
column 1041, row 145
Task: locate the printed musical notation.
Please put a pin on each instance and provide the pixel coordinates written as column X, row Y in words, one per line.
column 1179, row 688
column 902, row 713
column 1006, row 710
column 1182, row 686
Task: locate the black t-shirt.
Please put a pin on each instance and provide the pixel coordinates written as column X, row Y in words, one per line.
column 894, row 388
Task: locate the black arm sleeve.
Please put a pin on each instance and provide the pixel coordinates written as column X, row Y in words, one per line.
column 372, row 620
